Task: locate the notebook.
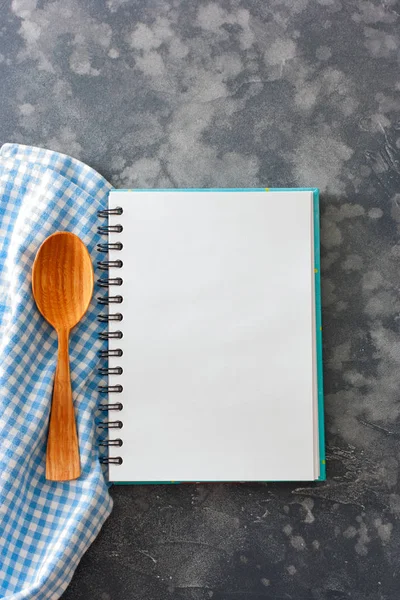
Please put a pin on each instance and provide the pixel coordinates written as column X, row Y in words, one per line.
column 214, row 336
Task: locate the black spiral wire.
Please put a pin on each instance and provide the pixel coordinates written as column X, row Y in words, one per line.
column 107, row 282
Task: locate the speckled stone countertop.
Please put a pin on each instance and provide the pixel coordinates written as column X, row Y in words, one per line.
column 181, row 93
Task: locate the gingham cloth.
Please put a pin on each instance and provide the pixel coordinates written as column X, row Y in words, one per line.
column 45, row 527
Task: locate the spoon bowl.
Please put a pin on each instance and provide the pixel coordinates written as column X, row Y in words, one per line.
column 62, row 284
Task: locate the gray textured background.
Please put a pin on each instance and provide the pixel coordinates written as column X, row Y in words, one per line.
column 245, row 93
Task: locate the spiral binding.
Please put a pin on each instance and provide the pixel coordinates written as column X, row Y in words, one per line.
column 110, row 335
column 104, row 214
column 108, row 406
column 110, row 300
column 107, row 282
column 106, row 229
column 111, row 425
column 106, row 247
column 107, row 318
column 110, row 371
column 104, row 265
column 107, row 353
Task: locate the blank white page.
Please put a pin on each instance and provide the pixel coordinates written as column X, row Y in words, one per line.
column 217, row 336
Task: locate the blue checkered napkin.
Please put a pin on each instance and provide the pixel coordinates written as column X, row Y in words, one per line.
column 45, row 527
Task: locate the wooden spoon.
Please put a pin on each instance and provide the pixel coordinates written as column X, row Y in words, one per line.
column 62, row 283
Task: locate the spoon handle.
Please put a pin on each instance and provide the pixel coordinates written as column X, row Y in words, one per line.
column 62, row 458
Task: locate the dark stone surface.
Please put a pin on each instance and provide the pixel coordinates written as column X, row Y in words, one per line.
column 232, row 93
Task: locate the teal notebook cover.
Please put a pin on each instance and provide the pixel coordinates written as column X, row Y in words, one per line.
column 318, row 314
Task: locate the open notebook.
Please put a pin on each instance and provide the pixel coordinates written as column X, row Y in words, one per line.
column 215, row 369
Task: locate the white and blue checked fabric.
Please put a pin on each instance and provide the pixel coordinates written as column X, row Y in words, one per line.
column 45, row 527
